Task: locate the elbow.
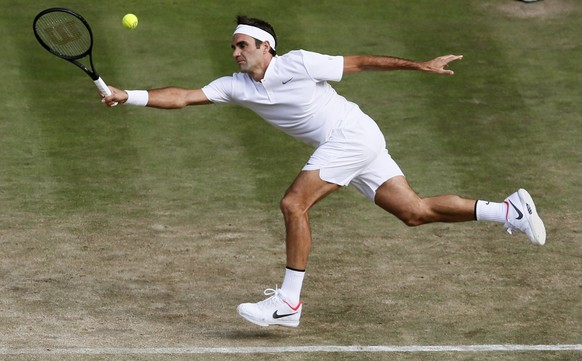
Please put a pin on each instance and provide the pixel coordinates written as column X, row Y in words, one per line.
column 179, row 104
column 353, row 64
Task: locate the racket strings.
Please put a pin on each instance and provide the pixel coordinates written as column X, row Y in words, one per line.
column 64, row 34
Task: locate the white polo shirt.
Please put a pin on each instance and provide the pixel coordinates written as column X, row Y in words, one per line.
column 294, row 95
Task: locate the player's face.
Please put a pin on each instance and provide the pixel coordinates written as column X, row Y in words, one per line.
column 246, row 54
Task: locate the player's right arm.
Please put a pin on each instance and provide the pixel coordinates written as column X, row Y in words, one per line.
column 163, row 98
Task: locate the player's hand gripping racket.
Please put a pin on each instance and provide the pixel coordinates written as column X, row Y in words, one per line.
column 67, row 35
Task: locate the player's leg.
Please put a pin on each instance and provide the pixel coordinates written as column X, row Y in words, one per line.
column 283, row 307
column 384, row 182
column 517, row 212
column 334, row 163
column 397, row 197
column 307, row 189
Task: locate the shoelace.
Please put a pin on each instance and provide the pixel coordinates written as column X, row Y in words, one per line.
column 274, row 297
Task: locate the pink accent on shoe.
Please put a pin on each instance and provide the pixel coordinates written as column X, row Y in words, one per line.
column 294, row 308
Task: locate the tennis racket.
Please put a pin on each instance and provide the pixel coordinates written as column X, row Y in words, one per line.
column 68, row 35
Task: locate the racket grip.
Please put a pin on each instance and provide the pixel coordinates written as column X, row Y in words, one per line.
column 103, row 88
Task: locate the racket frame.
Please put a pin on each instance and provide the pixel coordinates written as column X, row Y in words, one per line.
column 74, row 59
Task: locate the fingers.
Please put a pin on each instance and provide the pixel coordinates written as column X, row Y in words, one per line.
column 450, row 58
column 444, row 62
column 117, row 96
column 108, row 100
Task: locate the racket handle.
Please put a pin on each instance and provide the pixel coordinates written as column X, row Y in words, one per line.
column 103, row 88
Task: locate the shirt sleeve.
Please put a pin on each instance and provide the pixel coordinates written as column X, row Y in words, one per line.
column 323, row 67
column 220, row 90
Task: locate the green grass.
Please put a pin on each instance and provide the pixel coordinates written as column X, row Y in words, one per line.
column 131, row 227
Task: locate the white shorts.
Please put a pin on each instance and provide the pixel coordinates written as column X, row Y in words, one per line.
column 357, row 156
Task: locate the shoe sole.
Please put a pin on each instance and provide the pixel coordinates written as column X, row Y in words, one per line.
column 266, row 324
column 538, row 230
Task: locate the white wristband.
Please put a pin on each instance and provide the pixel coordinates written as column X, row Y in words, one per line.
column 137, row 97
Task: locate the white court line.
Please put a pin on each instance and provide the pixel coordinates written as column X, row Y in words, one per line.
column 286, row 349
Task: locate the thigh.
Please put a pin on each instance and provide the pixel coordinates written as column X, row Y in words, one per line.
column 375, row 174
column 308, row 188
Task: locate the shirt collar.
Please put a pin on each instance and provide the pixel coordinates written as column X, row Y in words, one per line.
column 269, row 73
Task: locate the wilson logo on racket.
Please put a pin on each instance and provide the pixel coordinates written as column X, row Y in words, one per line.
column 62, row 34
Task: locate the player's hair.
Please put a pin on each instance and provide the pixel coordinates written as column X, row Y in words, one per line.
column 261, row 24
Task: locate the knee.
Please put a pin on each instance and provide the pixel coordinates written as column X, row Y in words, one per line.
column 414, row 216
column 291, row 206
column 411, row 220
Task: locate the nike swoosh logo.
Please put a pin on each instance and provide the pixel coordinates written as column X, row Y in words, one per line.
column 519, row 214
column 285, row 82
column 276, row 315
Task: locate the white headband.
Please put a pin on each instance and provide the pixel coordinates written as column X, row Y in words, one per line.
column 256, row 33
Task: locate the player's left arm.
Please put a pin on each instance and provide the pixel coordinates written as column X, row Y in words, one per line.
column 355, row 64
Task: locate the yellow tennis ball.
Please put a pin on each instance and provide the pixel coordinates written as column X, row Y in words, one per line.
column 129, row 21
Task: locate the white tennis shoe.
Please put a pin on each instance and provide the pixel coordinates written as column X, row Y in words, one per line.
column 272, row 311
column 522, row 216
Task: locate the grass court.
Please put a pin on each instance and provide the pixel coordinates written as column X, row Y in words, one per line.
column 131, row 229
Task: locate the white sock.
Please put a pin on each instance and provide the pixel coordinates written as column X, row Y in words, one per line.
column 291, row 287
column 491, row 211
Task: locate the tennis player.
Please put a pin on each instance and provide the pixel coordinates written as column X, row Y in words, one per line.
column 292, row 92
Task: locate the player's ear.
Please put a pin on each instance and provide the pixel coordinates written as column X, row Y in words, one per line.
column 265, row 46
